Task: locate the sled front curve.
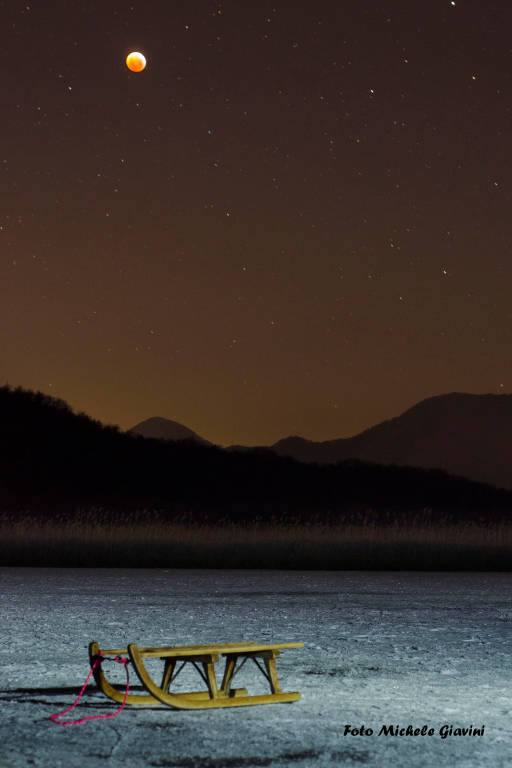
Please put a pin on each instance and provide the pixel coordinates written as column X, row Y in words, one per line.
column 140, row 699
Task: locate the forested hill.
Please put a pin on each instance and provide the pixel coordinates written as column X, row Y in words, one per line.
column 50, row 455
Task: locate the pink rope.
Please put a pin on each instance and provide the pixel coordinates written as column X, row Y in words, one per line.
column 120, row 660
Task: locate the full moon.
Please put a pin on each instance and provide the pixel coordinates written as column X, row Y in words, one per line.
column 136, row 61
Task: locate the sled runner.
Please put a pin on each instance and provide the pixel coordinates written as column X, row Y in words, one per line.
column 203, row 658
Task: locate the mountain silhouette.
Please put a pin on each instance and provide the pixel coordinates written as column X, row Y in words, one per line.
column 462, row 434
column 165, row 429
column 52, row 458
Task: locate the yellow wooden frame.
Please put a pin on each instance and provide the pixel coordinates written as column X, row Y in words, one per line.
column 203, row 658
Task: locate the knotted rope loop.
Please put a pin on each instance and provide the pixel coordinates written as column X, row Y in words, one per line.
column 120, row 660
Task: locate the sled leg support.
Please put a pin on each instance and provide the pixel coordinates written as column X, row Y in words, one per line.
column 269, row 671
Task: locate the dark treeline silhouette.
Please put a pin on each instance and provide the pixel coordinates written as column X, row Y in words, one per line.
column 53, row 460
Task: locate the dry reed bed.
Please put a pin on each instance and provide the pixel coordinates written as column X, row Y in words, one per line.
column 370, row 546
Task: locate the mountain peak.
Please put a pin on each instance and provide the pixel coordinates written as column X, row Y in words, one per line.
column 166, row 429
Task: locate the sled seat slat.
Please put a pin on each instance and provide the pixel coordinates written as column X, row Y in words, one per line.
column 168, row 651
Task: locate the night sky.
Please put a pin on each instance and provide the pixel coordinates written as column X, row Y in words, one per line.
column 296, row 220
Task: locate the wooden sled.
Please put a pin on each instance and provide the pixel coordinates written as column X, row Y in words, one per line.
column 203, row 658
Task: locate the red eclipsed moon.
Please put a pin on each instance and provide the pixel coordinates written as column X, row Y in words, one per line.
column 136, row 61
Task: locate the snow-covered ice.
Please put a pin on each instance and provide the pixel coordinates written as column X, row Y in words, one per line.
column 380, row 649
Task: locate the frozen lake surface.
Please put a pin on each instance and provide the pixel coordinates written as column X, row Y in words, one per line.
column 380, row 649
